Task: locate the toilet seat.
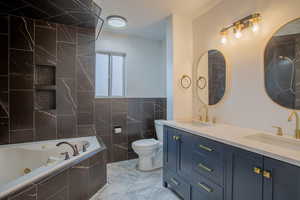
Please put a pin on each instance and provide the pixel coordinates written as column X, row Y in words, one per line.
column 146, row 144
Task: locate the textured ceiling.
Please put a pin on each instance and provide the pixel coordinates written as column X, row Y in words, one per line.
column 82, row 13
column 146, row 17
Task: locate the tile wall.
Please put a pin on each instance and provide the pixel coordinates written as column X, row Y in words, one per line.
column 136, row 118
column 46, row 80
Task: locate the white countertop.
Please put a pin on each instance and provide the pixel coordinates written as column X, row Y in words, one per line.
column 241, row 138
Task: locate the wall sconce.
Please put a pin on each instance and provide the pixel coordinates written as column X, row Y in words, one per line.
column 251, row 21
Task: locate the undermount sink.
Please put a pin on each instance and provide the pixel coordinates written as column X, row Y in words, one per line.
column 282, row 142
column 196, row 123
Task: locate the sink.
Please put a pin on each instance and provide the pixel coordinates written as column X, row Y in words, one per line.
column 290, row 144
column 195, row 123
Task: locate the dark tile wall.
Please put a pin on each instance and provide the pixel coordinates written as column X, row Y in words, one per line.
column 136, row 118
column 78, row 182
column 46, row 80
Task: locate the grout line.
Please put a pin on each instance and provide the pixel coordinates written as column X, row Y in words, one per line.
column 8, row 79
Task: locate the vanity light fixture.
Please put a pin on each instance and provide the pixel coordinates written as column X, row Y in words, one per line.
column 251, row 21
column 116, row 21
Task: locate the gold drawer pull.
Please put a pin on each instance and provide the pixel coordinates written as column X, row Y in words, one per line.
column 204, row 187
column 201, row 166
column 176, row 138
column 174, row 181
column 205, row 148
column 257, row 170
column 267, row 174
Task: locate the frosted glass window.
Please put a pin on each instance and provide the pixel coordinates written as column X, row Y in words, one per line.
column 117, row 76
column 110, row 74
column 102, row 74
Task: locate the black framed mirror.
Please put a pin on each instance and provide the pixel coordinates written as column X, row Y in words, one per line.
column 211, row 77
column 282, row 66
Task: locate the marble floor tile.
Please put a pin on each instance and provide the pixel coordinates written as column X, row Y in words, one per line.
column 125, row 182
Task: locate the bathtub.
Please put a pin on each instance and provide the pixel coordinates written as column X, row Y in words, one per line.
column 23, row 164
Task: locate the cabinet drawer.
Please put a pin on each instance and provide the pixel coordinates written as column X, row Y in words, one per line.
column 207, row 148
column 178, row 185
column 208, row 167
column 205, row 189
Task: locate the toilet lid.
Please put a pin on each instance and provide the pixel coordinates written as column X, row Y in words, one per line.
column 146, row 143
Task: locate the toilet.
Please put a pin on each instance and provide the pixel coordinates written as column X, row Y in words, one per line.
column 150, row 151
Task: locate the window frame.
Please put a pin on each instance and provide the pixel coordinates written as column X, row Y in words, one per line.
column 110, row 54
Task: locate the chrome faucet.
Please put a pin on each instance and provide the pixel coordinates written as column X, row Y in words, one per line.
column 297, row 130
column 75, row 149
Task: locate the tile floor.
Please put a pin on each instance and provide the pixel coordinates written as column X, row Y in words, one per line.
column 127, row 183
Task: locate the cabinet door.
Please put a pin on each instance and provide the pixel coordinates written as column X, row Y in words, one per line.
column 244, row 175
column 284, row 180
column 170, row 149
column 184, row 160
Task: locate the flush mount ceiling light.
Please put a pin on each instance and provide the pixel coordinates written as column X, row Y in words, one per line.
column 116, row 21
column 251, row 21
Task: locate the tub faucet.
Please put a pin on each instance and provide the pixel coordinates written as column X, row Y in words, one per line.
column 75, row 149
column 297, row 129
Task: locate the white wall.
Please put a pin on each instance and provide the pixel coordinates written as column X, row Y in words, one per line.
column 145, row 63
column 246, row 103
column 180, row 62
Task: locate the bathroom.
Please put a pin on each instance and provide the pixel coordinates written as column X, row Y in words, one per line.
column 142, row 100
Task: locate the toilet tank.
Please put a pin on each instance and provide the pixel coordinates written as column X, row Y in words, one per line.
column 159, row 127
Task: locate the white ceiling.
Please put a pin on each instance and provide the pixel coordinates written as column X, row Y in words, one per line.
column 146, row 17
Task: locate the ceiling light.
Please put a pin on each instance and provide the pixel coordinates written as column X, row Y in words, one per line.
column 116, row 21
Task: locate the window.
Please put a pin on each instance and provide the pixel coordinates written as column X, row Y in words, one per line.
column 110, row 74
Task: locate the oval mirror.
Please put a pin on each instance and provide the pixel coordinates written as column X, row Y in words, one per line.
column 282, row 66
column 211, row 77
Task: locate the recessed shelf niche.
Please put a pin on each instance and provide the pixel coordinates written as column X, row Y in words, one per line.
column 45, row 87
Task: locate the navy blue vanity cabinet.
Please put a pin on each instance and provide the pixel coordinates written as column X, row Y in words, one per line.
column 281, row 180
column 170, row 146
column 244, row 179
column 176, row 168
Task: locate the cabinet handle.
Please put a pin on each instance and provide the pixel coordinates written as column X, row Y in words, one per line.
column 174, row 181
column 204, row 187
column 257, row 170
column 205, row 148
column 176, row 138
column 267, row 174
column 201, row 166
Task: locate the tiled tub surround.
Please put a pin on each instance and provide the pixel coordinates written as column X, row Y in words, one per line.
column 136, row 118
column 77, row 178
column 268, row 144
column 47, row 80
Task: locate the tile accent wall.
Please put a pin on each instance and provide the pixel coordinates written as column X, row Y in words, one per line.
column 46, row 80
column 136, row 118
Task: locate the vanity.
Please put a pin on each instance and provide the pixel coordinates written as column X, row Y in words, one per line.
column 214, row 162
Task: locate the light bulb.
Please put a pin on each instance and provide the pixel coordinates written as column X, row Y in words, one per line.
column 238, row 34
column 224, row 36
column 238, row 31
column 224, row 39
column 255, row 25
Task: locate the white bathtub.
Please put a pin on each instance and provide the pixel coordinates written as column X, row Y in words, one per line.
column 42, row 158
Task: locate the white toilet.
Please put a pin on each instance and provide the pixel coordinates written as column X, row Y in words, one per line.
column 150, row 151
